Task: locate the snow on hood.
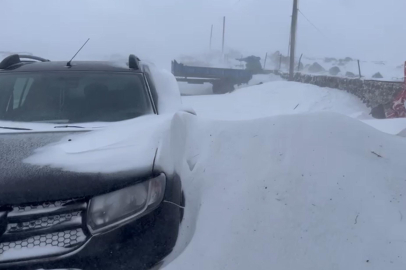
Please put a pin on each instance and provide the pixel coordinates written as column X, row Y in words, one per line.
column 314, row 191
column 123, row 146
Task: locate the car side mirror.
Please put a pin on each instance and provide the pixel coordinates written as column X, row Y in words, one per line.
column 188, row 109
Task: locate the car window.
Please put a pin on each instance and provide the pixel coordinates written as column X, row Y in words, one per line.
column 73, row 97
column 20, row 91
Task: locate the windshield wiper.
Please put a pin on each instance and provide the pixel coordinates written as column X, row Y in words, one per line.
column 68, row 126
column 15, row 128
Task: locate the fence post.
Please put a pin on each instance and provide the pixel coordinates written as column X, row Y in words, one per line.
column 300, row 60
column 280, row 62
column 359, row 70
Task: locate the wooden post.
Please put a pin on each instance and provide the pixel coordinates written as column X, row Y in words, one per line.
column 359, row 70
column 224, row 31
column 266, row 56
column 211, row 35
column 300, row 60
column 280, row 62
column 293, row 40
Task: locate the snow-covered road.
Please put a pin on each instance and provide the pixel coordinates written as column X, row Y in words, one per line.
column 285, row 188
column 276, row 98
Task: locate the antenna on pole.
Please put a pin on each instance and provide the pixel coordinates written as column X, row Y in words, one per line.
column 211, row 35
column 224, row 31
column 69, row 63
column 293, row 40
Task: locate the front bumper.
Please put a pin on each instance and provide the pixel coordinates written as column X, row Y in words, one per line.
column 136, row 245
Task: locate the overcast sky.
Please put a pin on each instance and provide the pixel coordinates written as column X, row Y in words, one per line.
column 161, row 30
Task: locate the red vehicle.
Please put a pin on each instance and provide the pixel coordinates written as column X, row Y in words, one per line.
column 397, row 108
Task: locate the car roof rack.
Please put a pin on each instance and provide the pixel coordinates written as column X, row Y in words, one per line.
column 134, row 62
column 16, row 59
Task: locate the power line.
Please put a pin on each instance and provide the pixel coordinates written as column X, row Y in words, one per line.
column 313, row 24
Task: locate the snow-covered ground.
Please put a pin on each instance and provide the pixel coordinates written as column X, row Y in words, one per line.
column 307, row 188
column 276, row 98
column 389, row 71
column 291, row 192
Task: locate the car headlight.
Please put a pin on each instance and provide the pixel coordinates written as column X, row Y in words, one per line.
column 116, row 208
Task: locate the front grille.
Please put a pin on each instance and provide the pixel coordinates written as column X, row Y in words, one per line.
column 44, row 205
column 42, row 222
column 64, row 239
column 43, row 230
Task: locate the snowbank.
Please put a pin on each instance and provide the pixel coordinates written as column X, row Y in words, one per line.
column 187, row 89
column 167, row 89
column 315, row 191
column 276, row 98
column 280, row 97
column 390, row 71
column 391, row 126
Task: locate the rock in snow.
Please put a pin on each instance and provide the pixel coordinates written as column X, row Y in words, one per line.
column 316, row 68
column 349, row 74
column 334, row 71
column 377, row 75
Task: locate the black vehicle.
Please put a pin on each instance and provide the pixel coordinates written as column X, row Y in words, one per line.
column 222, row 79
column 53, row 218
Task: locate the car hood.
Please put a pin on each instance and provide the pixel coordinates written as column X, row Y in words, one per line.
column 21, row 182
column 44, row 166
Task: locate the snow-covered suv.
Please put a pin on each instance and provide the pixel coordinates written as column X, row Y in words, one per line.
column 94, row 213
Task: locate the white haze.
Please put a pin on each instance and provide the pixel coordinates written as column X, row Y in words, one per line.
column 161, row 30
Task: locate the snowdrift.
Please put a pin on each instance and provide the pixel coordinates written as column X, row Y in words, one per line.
column 276, row 98
column 279, row 97
column 390, row 71
column 316, row 191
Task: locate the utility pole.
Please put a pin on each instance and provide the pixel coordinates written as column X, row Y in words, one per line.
column 211, row 35
column 224, row 31
column 359, row 70
column 293, row 40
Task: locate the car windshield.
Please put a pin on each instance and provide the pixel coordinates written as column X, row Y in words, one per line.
column 72, row 97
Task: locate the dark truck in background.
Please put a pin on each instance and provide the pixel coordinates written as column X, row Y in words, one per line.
column 222, row 79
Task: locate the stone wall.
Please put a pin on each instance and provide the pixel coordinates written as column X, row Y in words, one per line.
column 372, row 93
